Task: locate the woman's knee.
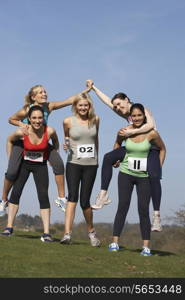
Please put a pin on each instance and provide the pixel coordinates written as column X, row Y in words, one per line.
column 84, row 206
column 107, row 159
column 57, row 166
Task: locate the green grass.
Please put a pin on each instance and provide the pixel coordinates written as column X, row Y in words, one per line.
column 23, row 255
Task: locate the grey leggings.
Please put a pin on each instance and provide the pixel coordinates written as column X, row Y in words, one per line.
column 125, row 187
column 15, row 161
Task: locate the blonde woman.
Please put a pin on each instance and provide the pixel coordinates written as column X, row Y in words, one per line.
column 37, row 95
column 82, row 130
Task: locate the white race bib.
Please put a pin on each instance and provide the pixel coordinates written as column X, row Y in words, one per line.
column 137, row 164
column 34, row 156
column 85, row 151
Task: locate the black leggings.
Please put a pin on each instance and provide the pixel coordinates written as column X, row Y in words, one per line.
column 16, row 159
column 125, row 187
column 153, row 168
column 84, row 175
column 40, row 175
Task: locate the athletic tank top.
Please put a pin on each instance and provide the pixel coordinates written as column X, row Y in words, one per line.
column 82, row 143
column 36, row 153
column 46, row 115
column 135, row 161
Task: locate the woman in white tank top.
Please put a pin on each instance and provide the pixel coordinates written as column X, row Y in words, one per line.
column 81, row 129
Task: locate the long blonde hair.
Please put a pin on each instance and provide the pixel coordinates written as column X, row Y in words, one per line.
column 32, row 92
column 91, row 114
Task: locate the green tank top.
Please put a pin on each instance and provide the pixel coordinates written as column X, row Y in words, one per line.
column 135, row 161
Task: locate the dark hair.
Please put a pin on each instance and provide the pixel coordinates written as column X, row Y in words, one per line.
column 34, row 108
column 140, row 107
column 121, row 96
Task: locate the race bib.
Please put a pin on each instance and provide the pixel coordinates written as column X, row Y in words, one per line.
column 85, row 151
column 137, row 164
column 34, row 156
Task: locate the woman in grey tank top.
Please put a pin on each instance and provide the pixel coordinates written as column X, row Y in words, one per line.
column 82, row 163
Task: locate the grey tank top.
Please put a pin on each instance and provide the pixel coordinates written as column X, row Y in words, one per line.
column 82, row 143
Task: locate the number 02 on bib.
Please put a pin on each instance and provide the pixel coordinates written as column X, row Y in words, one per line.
column 85, row 151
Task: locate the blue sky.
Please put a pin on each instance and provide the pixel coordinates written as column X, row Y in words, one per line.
column 136, row 47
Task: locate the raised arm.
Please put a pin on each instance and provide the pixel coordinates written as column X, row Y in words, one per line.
column 15, row 136
column 53, row 105
column 104, row 98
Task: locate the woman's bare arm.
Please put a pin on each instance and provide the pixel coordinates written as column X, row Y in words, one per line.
column 53, row 105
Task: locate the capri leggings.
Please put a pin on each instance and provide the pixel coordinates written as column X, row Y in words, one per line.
column 16, row 159
column 40, row 175
column 83, row 176
column 154, row 171
column 125, row 187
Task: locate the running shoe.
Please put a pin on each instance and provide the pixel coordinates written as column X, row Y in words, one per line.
column 156, row 222
column 113, row 247
column 46, row 238
column 7, row 232
column 101, row 201
column 66, row 239
column 95, row 242
column 61, row 203
column 146, row 252
column 3, row 206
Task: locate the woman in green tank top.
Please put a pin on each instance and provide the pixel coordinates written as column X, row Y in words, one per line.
column 133, row 172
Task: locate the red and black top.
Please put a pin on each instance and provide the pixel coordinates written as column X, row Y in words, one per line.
column 36, row 153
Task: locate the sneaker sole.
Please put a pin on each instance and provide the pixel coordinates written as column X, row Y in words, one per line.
column 44, row 241
column 99, row 207
column 6, row 234
column 154, row 230
column 96, row 207
column 66, row 242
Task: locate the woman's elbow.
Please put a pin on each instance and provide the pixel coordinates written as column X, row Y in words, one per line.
column 10, row 120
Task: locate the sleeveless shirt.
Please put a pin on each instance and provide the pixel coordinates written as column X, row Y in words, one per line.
column 36, row 153
column 135, row 161
column 82, row 143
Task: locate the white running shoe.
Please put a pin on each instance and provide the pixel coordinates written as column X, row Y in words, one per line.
column 66, row 239
column 146, row 252
column 95, row 242
column 46, row 238
column 113, row 247
column 101, row 201
column 61, row 203
column 3, row 206
column 156, row 222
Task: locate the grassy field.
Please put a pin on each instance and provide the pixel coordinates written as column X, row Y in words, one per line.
column 23, row 255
